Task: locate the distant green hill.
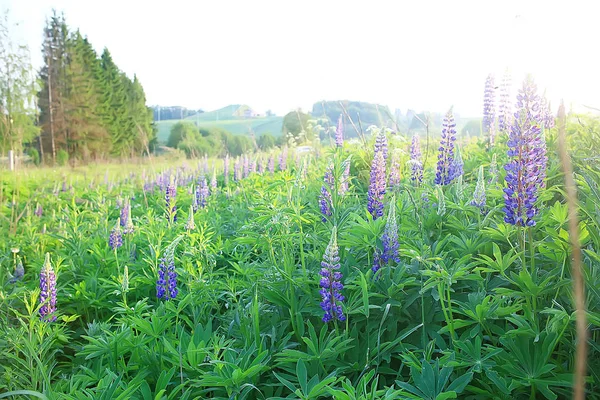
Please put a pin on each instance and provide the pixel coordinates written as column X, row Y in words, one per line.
column 225, row 118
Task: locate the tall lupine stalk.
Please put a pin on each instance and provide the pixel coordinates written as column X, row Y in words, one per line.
column 377, row 182
column 504, row 105
column 458, row 164
column 325, row 200
column 170, row 201
column 416, row 164
column 479, row 198
column 124, row 213
column 115, row 239
column 389, row 239
column 47, row 291
column 166, row 284
column 394, row 178
column 129, row 227
column 489, row 106
column 330, row 282
column 339, row 133
column 202, row 193
column 527, row 151
column 445, row 173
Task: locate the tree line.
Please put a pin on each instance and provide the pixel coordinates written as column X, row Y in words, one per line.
column 79, row 107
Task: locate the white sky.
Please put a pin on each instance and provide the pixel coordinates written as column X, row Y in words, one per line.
column 285, row 54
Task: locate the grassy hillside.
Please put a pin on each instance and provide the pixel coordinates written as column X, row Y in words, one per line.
column 222, row 118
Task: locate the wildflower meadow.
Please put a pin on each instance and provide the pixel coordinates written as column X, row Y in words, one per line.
column 396, row 265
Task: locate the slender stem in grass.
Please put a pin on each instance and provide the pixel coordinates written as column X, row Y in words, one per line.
column 117, row 260
column 576, row 266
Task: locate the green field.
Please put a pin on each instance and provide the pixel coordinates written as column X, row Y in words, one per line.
column 223, row 118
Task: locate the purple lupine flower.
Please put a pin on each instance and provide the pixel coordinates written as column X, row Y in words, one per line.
column 39, row 210
column 115, row 239
column 382, row 145
column 489, row 106
column 345, row 181
column 394, row 178
column 416, row 165
column 444, row 174
column 129, row 227
column 479, row 197
column 325, row 200
column 226, row 169
column 339, row 132
column 252, row 166
column 271, row 164
column 330, row 283
column 202, row 193
column 124, row 213
column 325, row 203
column 377, row 186
column 389, row 240
column 283, row 159
column 170, row 200
column 504, row 106
column 525, row 171
column 457, row 167
column 47, row 291
column 237, row 170
column 166, row 284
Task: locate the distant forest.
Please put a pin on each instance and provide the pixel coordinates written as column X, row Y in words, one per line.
column 79, row 107
column 161, row 113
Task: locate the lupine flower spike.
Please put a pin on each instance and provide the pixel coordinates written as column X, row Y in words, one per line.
column 331, row 285
column 504, row 106
column 416, row 166
column 129, row 228
column 526, row 170
column 377, row 183
column 115, row 239
column 445, row 172
column 47, row 291
column 479, row 197
column 489, row 105
column 171, row 207
column 389, row 240
column 166, row 284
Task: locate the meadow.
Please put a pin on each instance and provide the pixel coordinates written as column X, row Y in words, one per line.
column 397, row 268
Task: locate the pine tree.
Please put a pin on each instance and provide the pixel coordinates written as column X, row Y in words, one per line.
column 88, row 136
